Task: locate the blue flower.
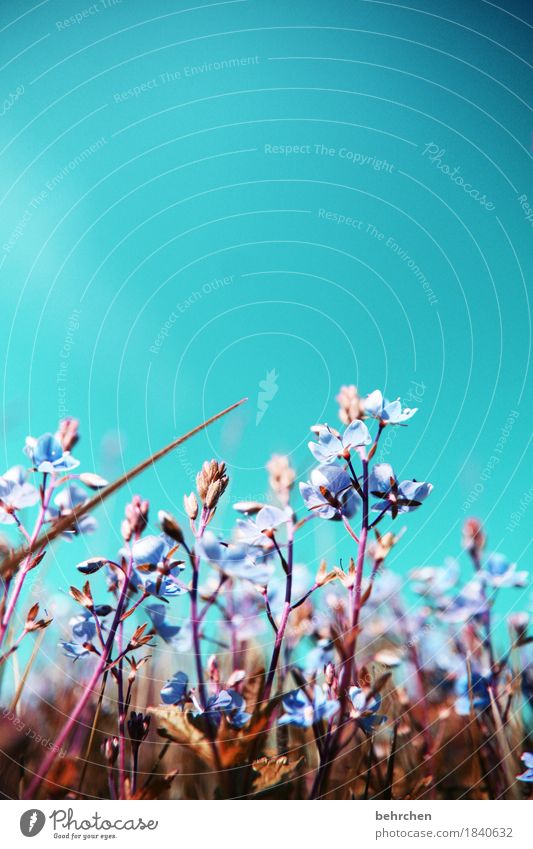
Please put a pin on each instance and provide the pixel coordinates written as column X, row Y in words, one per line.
column 498, row 572
column 174, row 691
column 435, row 581
column 269, row 519
column 83, row 627
column 387, row 412
column 233, row 560
column 366, row 710
column 226, row 703
column 396, row 497
column 178, row 636
column 527, row 758
column 47, row 455
column 303, row 712
column 477, row 689
column 470, row 602
column 319, row 657
column 330, row 493
column 15, row 494
column 64, row 503
column 331, row 446
column 73, row 650
column 152, row 561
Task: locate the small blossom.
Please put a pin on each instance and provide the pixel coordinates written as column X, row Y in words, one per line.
column 387, row 412
column 74, row 650
column 365, row 710
column 498, row 572
column 331, row 446
column 153, row 564
column 47, row 455
column 436, row 581
column 226, row 703
column 396, row 497
column 15, row 494
column 174, row 692
column 267, row 521
column 233, row 560
column 65, row 503
column 303, row 711
column 527, row 759
column 330, row 493
column 177, row 636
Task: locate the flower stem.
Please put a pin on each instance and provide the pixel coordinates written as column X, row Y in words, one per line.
column 284, row 616
column 88, row 690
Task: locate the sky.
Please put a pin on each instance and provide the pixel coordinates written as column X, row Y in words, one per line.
column 261, row 199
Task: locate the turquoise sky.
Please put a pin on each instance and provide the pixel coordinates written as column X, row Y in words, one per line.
column 198, row 200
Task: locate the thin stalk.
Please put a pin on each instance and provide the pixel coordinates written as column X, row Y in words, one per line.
column 284, row 616
column 49, row 760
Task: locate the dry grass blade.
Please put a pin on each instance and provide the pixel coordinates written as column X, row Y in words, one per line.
column 10, row 563
column 507, row 757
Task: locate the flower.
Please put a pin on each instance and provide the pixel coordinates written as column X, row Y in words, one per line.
column 233, row 560
column 153, row 563
column 387, row 412
column 64, row 503
column 303, row 710
column 527, row 758
column 74, row 650
column 468, row 603
column 268, row 520
column 330, row 493
column 48, row 455
column 475, row 689
column 365, row 710
column 15, row 494
column 174, row 692
column 226, row 703
column 178, row 636
column 397, row 497
column 435, row 581
column 498, row 572
column 331, row 446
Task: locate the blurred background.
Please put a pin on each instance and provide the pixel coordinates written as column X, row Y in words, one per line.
column 262, row 199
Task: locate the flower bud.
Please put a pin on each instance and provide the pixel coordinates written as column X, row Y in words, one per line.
column 350, row 404
column 190, row 503
column 67, row 433
column 474, row 536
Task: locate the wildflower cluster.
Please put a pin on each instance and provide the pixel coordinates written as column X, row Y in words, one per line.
column 338, row 665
